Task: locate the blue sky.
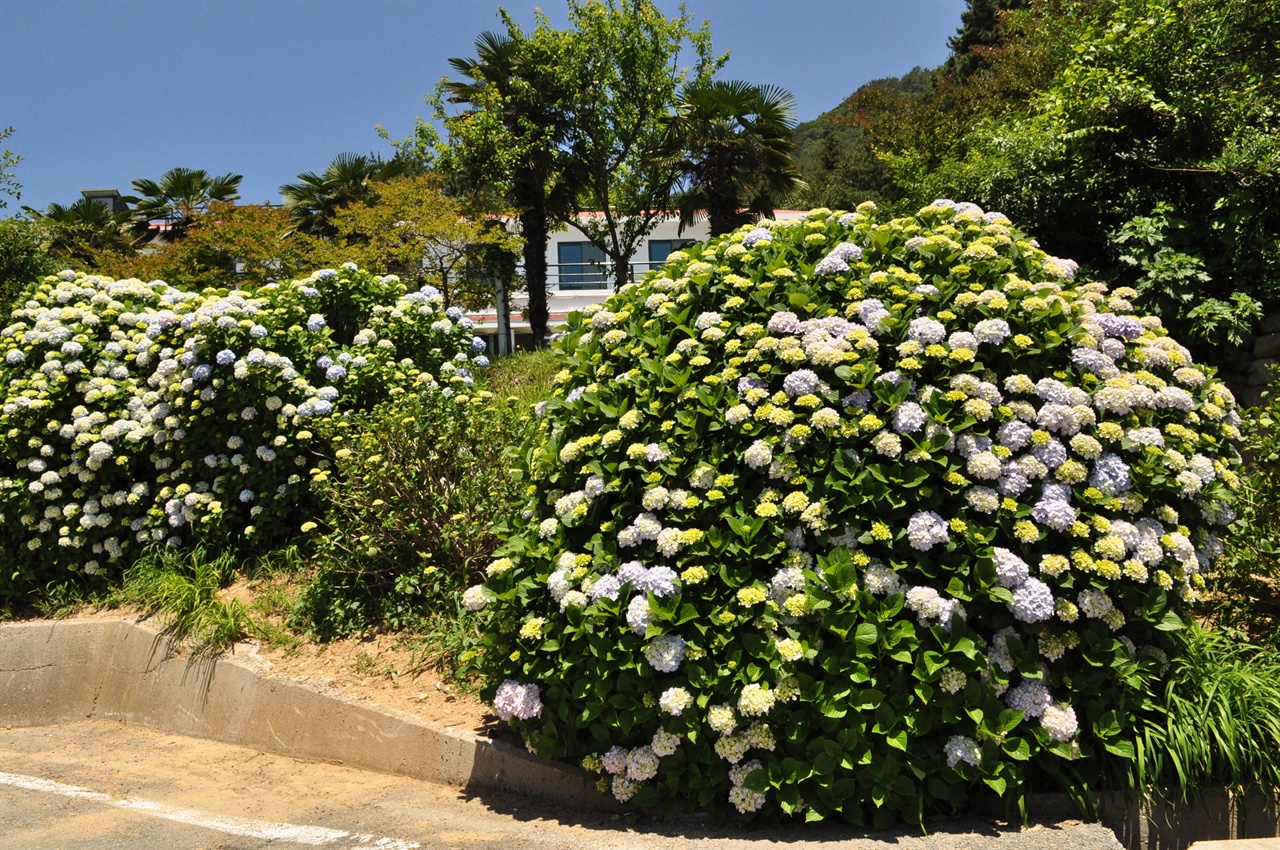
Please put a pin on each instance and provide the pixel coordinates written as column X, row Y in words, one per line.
column 101, row 92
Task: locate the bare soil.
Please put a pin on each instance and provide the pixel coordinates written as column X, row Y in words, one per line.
column 382, row 669
column 378, row 669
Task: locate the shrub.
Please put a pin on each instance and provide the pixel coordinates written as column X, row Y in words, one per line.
column 851, row 516
column 1244, row 588
column 416, row 486
column 136, row 412
column 23, row 258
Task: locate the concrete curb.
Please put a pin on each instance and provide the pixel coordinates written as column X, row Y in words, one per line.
column 60, row 671
column 67, row 670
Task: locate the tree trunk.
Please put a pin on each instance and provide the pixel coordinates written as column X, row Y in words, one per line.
column 533, row 227
column 621, row 272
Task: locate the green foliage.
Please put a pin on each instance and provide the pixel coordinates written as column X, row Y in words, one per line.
column 250, row 244
column 524, row 379
column 140, row 412
column 81, row 234
column 416, row 485
column 8, row 161
column 1173, row 282
column 348, row 179
column 979, row 32
column 409, row 227
column 24, row 259
column 183, row 588
column 857, row 516
column 1244, row 588
column 732, row 141
column 834, row 155
column 622, row 58
column 1104, row 118
column 1214, row 722
column 177, row 198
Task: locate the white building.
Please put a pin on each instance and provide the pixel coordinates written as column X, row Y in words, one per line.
column 579, row 274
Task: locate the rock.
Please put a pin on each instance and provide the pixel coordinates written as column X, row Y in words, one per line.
column 1270, row 324
column 1251, row 397
column 1260, row 372
column 1267, row 346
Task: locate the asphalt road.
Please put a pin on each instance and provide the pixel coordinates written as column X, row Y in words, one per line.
column 103, row 785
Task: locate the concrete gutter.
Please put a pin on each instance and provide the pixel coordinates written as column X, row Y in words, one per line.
column 60, row 671
column 114, row 669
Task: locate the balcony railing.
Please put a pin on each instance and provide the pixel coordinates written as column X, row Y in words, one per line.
column 591, row 277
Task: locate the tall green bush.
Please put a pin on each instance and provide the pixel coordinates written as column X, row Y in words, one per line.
column 415, row 488
column 857, row 516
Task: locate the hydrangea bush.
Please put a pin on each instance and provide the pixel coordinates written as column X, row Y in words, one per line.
column 135, row 412
column 850, row 516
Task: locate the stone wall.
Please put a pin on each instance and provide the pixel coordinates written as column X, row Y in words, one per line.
column 1253, row 374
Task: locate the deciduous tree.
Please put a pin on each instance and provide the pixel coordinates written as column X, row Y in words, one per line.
column 414, row 230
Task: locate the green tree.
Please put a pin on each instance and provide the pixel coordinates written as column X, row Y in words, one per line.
column 733, row 144
column 177, row 198
column 24, row 259
column 348, row 179
column 79, row 233
column 979, row 32
column 1146, row 113
column 414, row 230
column 8, row 160
column 834, row 153
column 509, row 143
column 226, row 245
column 622, row 58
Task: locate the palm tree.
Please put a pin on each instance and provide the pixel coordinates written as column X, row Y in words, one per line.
column 519, row 94
column 733, row 140
column 84, row 229
column 179, row 196
column 346, row 180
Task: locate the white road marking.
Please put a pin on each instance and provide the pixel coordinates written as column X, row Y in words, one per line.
column 246, row 827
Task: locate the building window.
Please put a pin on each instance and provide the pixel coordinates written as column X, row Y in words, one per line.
column 660, row 249
column 582, row 266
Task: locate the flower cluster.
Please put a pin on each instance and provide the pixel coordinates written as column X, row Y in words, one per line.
column 866, row 510
column 139, row 413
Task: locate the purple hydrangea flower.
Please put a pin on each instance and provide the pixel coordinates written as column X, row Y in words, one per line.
column 660, row 581
column 785, row 322
column 523, row 702
column 908, row 417
column 1052, row 454
column 1122, row 327
column 1011, row 571
column 1055, row 513
column 1030, row 696
column 846, row 251
column 925, row 530
column 801, row 382
column 1110, row 475
column 926, row 331
column 1089, row 360
column 1032, row 601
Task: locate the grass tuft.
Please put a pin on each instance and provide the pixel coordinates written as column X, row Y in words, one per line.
column 1217, row 721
